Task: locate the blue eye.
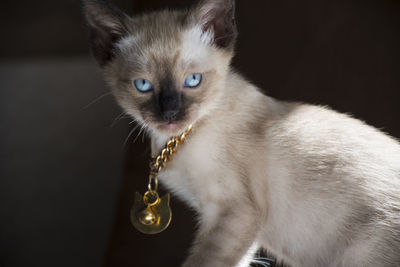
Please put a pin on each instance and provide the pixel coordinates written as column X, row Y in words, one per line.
column 143, row 85
column 193, row 80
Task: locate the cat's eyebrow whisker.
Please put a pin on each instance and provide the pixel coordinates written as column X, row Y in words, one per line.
column 97, row 99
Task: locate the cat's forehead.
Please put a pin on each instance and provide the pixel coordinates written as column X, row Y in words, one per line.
column 159, row 38
column 196, row 44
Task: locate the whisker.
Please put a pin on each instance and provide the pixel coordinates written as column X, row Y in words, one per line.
column 140, row 131
column 97, row 99
column 259, row 259
column 143, row 135
column 264, row 259
column 130, row 134
column 121, row 116
column 262, row 263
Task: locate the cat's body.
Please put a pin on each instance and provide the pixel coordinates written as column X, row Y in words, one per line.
column 314, row 187
column 310, row 185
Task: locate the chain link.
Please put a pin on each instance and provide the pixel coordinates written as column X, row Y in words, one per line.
column 166, row 154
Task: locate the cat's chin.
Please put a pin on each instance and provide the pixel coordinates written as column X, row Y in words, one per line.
column 171, row 128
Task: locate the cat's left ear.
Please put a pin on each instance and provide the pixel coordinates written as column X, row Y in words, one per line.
column 107, row 25
column 218, row 17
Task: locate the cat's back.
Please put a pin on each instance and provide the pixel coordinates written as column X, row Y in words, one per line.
column 329, row 136
column 334, row 151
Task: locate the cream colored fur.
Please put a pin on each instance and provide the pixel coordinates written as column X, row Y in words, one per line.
column 311, row 186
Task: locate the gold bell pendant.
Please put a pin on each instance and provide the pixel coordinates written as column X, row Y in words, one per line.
column 151, row 214
column 148, row 216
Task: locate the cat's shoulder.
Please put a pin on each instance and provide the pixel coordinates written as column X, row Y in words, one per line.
column 321, row 124
column 313, row 117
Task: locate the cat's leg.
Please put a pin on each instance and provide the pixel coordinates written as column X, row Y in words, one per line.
column 227, row 241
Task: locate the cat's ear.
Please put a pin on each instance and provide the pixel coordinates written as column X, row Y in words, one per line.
column 218, row 17
column 107, row 25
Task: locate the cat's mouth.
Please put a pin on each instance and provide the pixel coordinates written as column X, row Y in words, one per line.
column 172, row 128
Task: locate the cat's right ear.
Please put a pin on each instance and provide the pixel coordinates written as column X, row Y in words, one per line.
column 218, row 18
column 107, row 25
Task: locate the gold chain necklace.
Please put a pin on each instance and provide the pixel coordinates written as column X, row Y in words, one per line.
column 151, row 214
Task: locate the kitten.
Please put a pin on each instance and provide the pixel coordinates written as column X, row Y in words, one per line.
column 310, row 185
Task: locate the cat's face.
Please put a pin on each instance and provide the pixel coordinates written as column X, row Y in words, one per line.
column 167, row 69
column 168, row 75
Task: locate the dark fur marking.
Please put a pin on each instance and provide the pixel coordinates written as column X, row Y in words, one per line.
column 221, row 20
column 151, row 106
column 169, row 100
column 106, row 24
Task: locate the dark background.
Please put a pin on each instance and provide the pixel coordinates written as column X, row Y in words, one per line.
column 67, row 178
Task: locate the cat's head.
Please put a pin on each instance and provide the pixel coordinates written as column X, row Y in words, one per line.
column 167, row 68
